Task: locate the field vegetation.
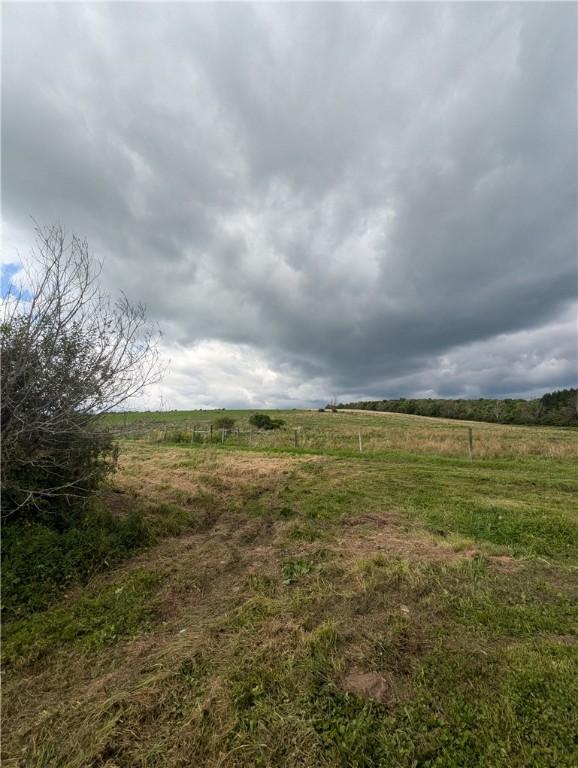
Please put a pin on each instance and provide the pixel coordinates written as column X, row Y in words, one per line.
column 381, row 432
column 226, row 604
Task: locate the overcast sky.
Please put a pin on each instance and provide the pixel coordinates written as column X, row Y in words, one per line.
column 314, row 200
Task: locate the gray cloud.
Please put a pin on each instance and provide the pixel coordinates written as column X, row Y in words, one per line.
column 350, row 194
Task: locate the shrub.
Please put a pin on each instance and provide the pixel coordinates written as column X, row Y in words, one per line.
column 262, row 421
column 69, row 354
column 225, row 422
column 177, row 436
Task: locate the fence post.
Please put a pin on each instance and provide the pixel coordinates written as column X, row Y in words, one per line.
column 211, row 434
column 250, row 438
column 471, row 443
column 222, row 435
column 295, row 438
column 360, row 442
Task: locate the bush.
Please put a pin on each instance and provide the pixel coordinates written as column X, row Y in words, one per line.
column 225, row 422
column 69, row 354
column 262, row 421
column 178, row 436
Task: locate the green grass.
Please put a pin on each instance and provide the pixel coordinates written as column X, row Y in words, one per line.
column 499, row 691
column 90, row 621
column 39, row 562
column 483, row 705
column 522, row 511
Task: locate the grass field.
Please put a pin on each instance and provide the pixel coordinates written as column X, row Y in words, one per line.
column 315, row 606
column 380, row 432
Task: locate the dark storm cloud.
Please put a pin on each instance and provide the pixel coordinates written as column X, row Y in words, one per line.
column 357, row 193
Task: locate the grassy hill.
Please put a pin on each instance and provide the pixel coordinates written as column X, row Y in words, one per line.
column 316, row 605
column 381, row 432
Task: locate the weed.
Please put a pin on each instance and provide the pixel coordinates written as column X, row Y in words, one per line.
column 306, row 532
column 293, row 570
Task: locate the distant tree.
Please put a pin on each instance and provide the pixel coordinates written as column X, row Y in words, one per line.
column 69, row 355
column 537, row 410
column 333, row 405
column 498, row 410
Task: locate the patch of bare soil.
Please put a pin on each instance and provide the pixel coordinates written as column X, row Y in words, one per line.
column 365, row 543
column 117, row 501
column 373, row 519
column 381, row 687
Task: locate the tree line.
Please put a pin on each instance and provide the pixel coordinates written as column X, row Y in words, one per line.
column 559, row 408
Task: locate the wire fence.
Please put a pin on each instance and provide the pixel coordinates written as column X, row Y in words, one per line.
column 210, row 434
column 287, row 437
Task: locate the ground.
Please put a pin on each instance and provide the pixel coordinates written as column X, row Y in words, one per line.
column 317, row 606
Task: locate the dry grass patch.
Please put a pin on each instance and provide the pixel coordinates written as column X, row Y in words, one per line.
column 372, row 534
column 207, row 479
column 436, row 436
column 380, row 687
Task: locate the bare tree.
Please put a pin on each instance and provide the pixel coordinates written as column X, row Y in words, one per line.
column 69, row 355
column 498, row 409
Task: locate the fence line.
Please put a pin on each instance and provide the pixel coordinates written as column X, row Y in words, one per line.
column 206, row 433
